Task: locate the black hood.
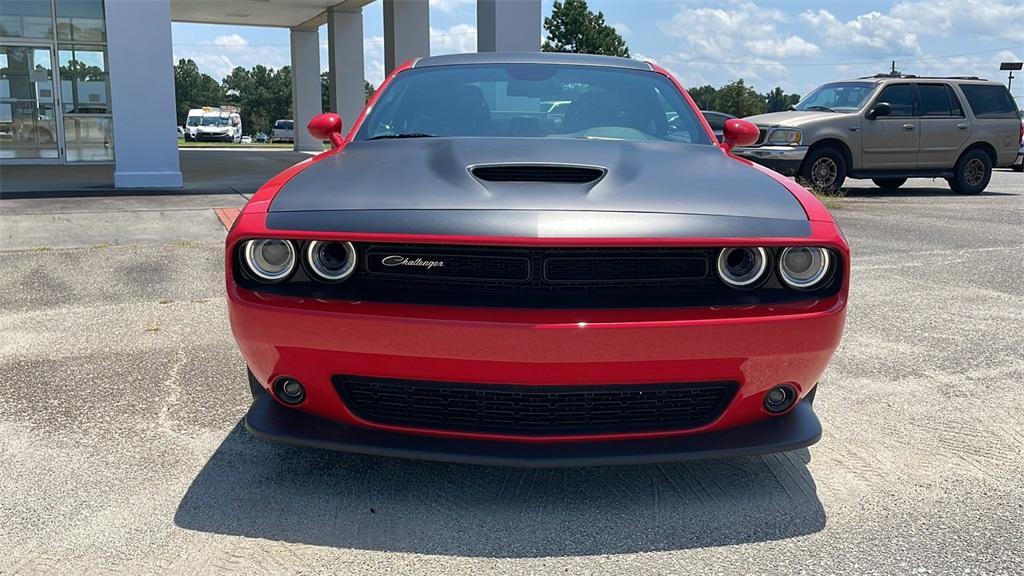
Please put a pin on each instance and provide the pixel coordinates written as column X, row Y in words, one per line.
column 643, row 189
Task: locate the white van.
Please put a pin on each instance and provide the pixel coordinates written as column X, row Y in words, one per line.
column 213, row 124
column 284, row 131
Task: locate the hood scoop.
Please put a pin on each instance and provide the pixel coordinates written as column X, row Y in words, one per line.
column 538, row 173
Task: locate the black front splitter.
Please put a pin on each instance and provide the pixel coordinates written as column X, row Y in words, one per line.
column 270, row 420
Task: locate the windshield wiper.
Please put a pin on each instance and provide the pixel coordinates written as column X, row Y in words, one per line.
column 403, row 135
column 822, row 108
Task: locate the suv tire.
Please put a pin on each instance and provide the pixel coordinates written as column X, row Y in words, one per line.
column 972, row 173
column 889, row 183
column 824, row 170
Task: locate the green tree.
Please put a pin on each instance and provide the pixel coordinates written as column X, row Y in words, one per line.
column 193, row 89
column 738, row 99
column 777, row 100
column 704, row 96
column 261, row 94
column 572, row 27
column 325, row 92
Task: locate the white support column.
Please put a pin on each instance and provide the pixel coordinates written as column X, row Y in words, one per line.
column 345, row 54
column 305, row 85
column 406, row 31
column 142, row 94
column 508, row 25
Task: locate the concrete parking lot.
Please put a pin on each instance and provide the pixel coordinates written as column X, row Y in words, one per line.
column 121, row 448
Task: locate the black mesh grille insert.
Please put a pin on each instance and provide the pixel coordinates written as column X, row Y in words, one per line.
column 534, row 410
column 538, row 173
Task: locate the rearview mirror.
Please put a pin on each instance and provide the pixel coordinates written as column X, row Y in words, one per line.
column 738, row 133
column 879, row 109
column 327, row 126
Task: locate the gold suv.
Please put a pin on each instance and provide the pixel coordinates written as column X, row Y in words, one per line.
column 891, row 128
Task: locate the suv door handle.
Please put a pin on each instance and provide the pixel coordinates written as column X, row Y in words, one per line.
column 961, row 126
column 908, row 127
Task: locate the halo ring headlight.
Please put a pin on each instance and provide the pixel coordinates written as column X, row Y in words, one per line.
column 804, row 267
column 742, row 267
column 269, row 259
column 331, row 261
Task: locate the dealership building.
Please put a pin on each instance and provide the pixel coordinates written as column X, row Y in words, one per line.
column 92, row 81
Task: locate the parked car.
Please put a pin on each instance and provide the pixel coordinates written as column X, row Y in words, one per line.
column 890, row 129
column 262, row 138
column 246, row 139
column 283, row 131
column 717, row 121
column 610, row 290
column 1018, row 164
column 211, row 123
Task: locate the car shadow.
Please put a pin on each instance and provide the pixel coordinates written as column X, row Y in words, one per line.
column 258, row 489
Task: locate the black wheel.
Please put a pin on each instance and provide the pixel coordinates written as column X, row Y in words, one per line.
column 255, row 387
column 972, row 173
column 1018, row 167
column 889, row 183
column 824, row 170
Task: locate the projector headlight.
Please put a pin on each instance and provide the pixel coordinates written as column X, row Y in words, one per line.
column 269, row 260
column 804, row 267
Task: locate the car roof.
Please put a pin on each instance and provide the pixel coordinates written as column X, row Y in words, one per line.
column 911, row 78
column 562, row 58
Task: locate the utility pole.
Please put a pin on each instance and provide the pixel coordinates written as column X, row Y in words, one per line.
column 1011, row 66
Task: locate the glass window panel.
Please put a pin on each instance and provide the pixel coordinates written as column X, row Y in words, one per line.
column 26, row 19
column 900, row 97
column 83, row 80
column 81, row 21
column 28, row 126
column 89, row 138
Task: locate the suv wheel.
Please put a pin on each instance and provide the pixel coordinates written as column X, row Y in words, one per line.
column 972, row 173
column 889, row 183
column 824, row 170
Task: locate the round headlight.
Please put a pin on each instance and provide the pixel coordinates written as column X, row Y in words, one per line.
column 742, row 267
column 270, row 260
column 331, row 261
column 804, row 267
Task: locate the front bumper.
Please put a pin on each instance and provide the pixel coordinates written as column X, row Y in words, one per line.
column 798, row 428
column 785, row 160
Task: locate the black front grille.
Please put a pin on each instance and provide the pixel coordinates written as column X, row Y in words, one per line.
column 532, row 277
column 534, row 410
column 762, row 134
column 551, row 173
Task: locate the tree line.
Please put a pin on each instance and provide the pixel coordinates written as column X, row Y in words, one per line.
column 261, row 94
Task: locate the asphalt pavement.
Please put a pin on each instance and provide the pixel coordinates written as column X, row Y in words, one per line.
column 121, row 448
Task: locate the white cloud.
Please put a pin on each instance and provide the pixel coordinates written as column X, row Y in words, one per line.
column 973, row 18
column 791, row 47
column 231, row 42
column 737, row 39
column 621, row 28
column 457, row 39
column 449, row 6
column 871, row 34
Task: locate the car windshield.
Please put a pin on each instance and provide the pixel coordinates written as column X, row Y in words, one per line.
column 533, row 101
column 837, row 97
column 283, row 125
column 214, row 121
column 193, row 120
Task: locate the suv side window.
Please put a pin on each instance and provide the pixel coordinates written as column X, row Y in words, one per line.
column 990, row 101
column 900, row 97
column 954, row 102
column 935, row 101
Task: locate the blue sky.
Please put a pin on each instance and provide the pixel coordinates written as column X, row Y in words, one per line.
column 795, row 44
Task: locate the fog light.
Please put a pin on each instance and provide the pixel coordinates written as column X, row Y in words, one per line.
column 289, row 391
column 779, row 399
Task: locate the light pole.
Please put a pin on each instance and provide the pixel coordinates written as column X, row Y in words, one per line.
column 1011, row 66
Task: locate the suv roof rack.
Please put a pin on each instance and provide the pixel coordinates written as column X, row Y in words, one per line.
column 889, row 75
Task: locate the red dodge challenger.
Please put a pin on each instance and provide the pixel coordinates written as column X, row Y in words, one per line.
column 468, row 276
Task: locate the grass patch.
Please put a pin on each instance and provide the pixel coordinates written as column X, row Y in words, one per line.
column 100, row 246
column 165, row 301
column 152, row 327
column 833, row 200
column 42, row 249
column 185, row 243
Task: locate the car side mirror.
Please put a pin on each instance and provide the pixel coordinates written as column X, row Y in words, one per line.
column 327, row 126
column 879, row 109
column 738, row 133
